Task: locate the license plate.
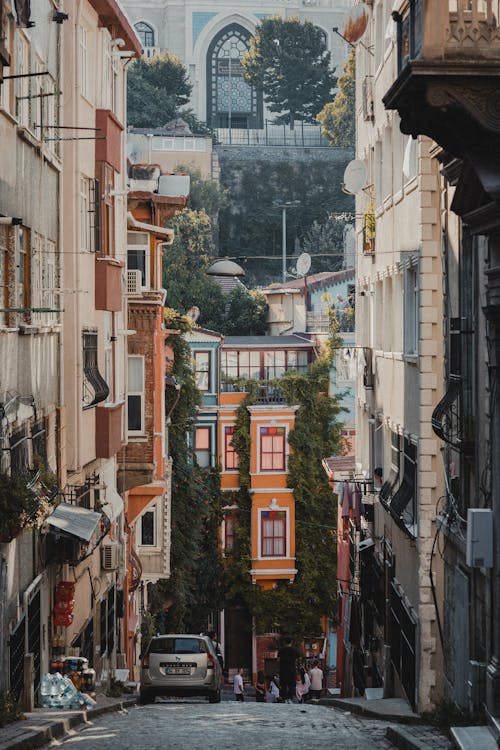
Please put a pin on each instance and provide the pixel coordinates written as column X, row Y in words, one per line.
column 177, row 670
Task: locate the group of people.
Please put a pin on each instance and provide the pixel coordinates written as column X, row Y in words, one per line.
column 293, row 685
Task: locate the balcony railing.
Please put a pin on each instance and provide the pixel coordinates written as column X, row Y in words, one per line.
column 267, row 391
column 448, row 30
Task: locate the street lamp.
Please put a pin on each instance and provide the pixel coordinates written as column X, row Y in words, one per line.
column 284, row 206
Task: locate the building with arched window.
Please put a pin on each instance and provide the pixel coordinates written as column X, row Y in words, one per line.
column 211, row 40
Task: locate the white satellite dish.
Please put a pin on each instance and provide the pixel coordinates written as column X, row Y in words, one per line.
column 354, row 176
column 303, row 264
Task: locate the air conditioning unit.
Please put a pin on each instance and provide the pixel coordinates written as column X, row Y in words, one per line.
column 109, row 556
column 134, row 282
column 479, row 544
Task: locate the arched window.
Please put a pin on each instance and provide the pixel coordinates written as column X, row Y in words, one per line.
column 231, row 101
column 145, row 34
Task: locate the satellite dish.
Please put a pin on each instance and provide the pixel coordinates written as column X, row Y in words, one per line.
column 354, row 176
column 354, row 23
column 303, row 264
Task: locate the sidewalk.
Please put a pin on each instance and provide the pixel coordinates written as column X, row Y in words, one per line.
column 42, row 725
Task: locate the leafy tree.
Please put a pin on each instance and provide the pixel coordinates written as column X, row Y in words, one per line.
column 157, row 89
column 288, row 60
column 326, row 237
column 338, row 118
column 184, row 601
column 245, row 312
column 184, row 269
column 204, row 195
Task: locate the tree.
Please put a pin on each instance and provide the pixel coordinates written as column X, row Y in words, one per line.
column 204, row 195
column 245, row 312
column 327, row 237
column 184, row 269
column 288, row 60
column 338, row 118
column 157, row 89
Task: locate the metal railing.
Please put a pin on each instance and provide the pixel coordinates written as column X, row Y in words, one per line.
column 303, row 135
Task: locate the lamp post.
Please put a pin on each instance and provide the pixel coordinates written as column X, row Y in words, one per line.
column 284, row 206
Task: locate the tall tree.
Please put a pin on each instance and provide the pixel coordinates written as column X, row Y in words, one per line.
column 157, row 91
column 328, row 238
column 288, row 60
column 338, row 118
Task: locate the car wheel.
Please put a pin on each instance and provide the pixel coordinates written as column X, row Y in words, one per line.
column 145, row 697
column 214, row 697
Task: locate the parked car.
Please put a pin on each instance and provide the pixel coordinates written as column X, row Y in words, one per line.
column 182, row 665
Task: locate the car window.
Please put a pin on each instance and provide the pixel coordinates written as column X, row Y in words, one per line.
column 177, row 646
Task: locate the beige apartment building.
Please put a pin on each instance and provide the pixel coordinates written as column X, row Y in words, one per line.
column 399, row 337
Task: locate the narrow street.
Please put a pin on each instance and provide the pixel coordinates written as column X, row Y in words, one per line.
column 193, row 724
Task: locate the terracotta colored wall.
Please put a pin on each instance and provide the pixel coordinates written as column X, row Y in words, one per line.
column 110, row 148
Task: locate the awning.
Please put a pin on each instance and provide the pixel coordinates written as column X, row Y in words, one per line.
column 75, row 521
column 113, row 504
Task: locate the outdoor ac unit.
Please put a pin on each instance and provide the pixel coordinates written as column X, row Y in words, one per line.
column 109, row 556
column 134, row 282
column 479, row 547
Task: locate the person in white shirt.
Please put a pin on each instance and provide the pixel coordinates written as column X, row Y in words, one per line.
column 239, row 690
column 272, row 692
column 316, row 676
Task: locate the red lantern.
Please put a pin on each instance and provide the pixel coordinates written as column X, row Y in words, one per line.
column 63, row 619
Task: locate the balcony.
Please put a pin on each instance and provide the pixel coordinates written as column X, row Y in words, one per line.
column 447, row 86
column 109, row 430
column 267, row 391
column 108, row 284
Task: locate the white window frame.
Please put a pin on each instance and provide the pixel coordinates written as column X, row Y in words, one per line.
column 208, row 354
column 147, row 256
column 411, row 311
column 275, row 472
column 153, row 509
column 211, row 445
column 260, row 556
column 84, row 62
column 141, row 393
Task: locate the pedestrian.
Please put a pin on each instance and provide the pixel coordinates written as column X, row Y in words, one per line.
column 288, row 656
column 272, row 692
column 239, row 689
column 316, row 676
column 260, row 687
column 213, row 637
column 302, row 686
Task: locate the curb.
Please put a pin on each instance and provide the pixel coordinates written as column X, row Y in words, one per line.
column 33, row 738
column 365, row 711
column 403, row 740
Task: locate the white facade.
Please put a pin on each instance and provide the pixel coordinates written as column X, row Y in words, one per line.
column 399, row 331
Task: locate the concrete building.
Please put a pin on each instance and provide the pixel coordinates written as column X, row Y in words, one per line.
column 399, row 325
column 447, row 72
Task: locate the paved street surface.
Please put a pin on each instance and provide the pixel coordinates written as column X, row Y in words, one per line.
column 194, row 724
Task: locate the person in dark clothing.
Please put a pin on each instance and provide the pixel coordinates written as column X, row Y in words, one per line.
column 288, row 656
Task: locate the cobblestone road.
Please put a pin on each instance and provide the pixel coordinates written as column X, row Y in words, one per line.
column 193, row 724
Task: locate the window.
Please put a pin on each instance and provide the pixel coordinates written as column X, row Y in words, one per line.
column 22, row 270
column 411, row 309
column 403, row 503
column 108, row 354
column 389, row 486
column 148, row 528
column 89, row 214
column 4, row 297
column 244, row 365
column 138, row 255
column 145, row 34
column 272, row 448
column 23, row 82
column 273, row 533
column 201, row 361
column 135, row 394
column 95, row 388
column 202, row 446
column 19, row 453
column 229, row 530
column 231, row 458
column 84, row 64
column 274, row 364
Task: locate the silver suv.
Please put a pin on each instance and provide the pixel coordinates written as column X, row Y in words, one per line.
column 179, row 664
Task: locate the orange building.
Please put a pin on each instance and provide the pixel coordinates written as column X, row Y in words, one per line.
column 272, row 418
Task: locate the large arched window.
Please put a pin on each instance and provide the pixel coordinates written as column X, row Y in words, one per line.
column 145, row 34
column 231, row 101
